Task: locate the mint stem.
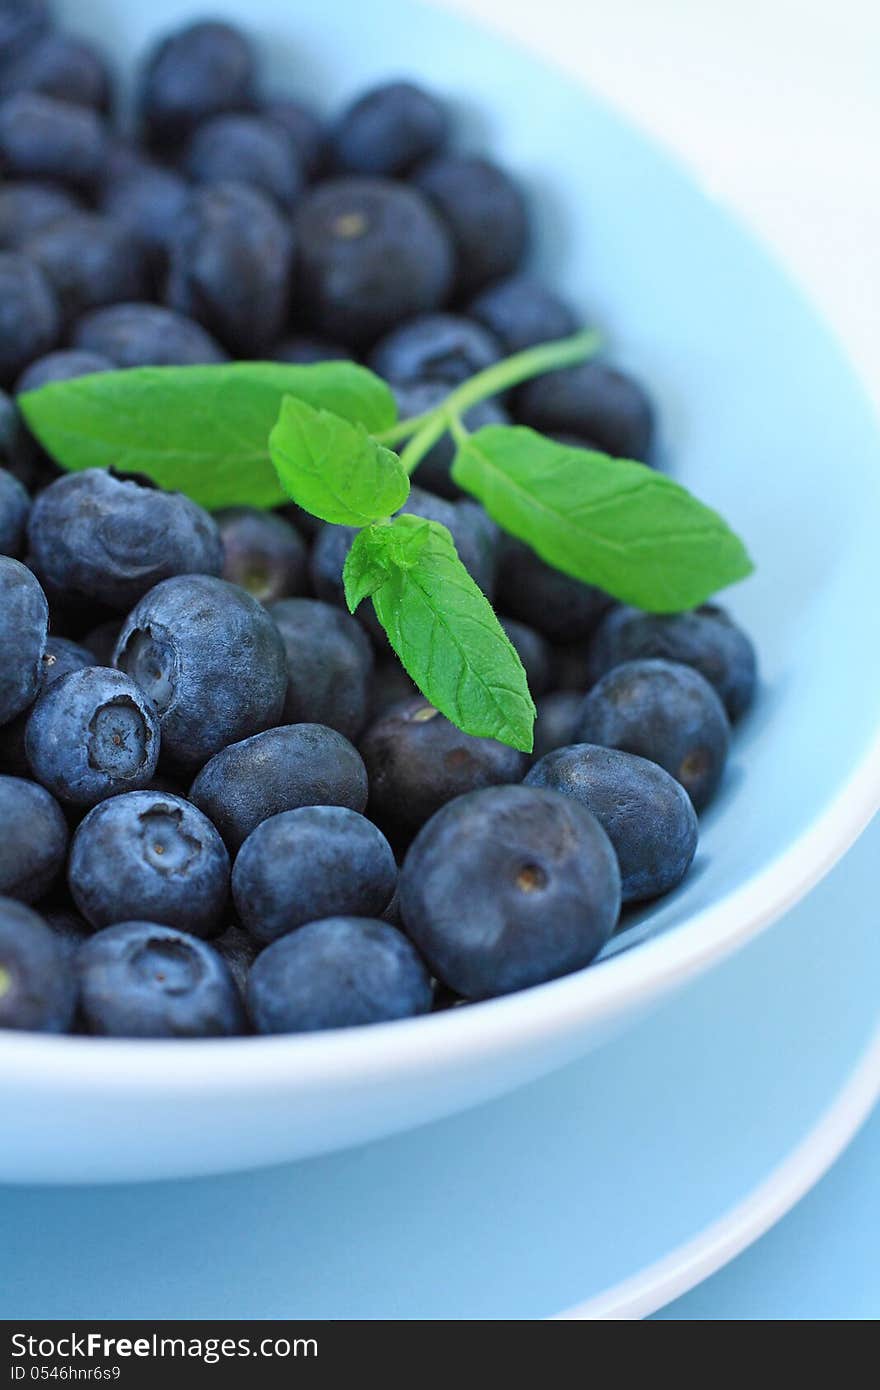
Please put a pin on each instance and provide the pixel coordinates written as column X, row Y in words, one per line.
column 501, row 376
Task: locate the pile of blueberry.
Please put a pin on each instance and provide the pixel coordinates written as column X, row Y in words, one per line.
column 223, row 806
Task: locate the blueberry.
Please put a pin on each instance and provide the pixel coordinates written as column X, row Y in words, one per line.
column 417, row 760
column 665, row 712
column 99, row 537
column 89, row 261
column 533, row 651
column 562, row 609
column 61, row 66
column 262, row 552
column 27, row 208
column 91, row 735
column 33, row 844
column 70, row 931
column 144, row 980
column 280, row 770
column 196, row 72
column 706, row 639
column 303, row 350
column 329, row 663
column 246, row 149
column 441, row 347
column 509, row 887
column 14, row 508
column 593, row 401
column 371, row 254
column 30, row 321
column 101, row 642
column 37, row 984
column 389, row 686
column 303, row 128
column 148, row 203
column 434, row 470
column 646, row 814
column 239, row 950
column 64, row 365
column 42, row 138
column 22, row 23
column 557, row 719
column 153, row 853
column 230, row 266
column 60, row 657
column 485, row 213
column 211, row 660
column 521, row 313
column 338, row 973
column 317, row 861
column 24, row 621
column 146, row 335
column 388, row 130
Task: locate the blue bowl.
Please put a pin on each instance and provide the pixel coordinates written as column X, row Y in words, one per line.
column 761, row 416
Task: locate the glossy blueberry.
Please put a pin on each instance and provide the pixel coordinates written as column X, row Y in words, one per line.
column 24, row 621
column 37, row 984
column 509, row 887
column 61, row 66
column 441, row 347
column 246, row 149
column 60, row 657
column 557, row 719
column 30, row 321
column 303, row 128
column 144, row 980
column 97, row 536
column 533, row 651
column 280, row 770
column 211, row 660
column 329, row 664
column 388, row 130
column 593, row 401
column 485, row 213
column 521, row 312
column 239, row 950
column 89, row 261
column 91, row 735
column 15, row 505
column 562, row 609
column 64, row 365
column 304, row 350
column 33, row 842
column 646, row 814
column 318, row 861
column 43, row 138
column 146, row 335
column 338, row 973
column 262, row 552
column 371, row 254
column 666, row 712
column 706, row 639
column 192, row 74
column 230, row 266
column 152, row 853
column 148, row 203
column 417, row 760
column 434, row 470
column 22, row 23
column 27, row 208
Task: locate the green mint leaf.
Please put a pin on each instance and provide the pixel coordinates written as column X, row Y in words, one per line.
column 334, row 468
column 377, row 551
column 199, row 430
column 611, row 522
column 445, row 633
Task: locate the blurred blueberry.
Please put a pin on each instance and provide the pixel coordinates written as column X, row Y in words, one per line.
column 329, row 662
column 303, row 128
column 533, row 651
column 592, row 401
column 27, row 208
column 440, row 347
column 562, row 609
column 196, row 72
column 434, row 470
column 37, row 985
column 304, row 350
column 89, row 261
column 146, row 335
column 33, row 845
column 42, row 138
column 61, row 66
column 557, row 718
column 148, row 203
column 388, row 130
column 246, row 149
column 485, row 213
column 262, row 553
column 30, row 321
column 521, row 312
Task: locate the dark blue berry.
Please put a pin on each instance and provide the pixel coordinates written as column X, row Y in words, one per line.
column 30, row 320
column 89, row 261
column 509, row 887
column 64, row 365
column 646, row 814
column 24, row 621
column 59, row 659
column 557, row 718
column 318, row 861
column 303, row 128
column 485, row 213
column 196, row 72
column 280, row 770
column 153, row 853
column 562, row 609
column 388, row 130
column 70, row 931
column 389, row 686
column 371, row 254
column 37, row 983
column 262, row 553
column 33, row 839
column 144, row 980
column 434, row 470
column 61, row 66
column 533, row 651
column 101, row 642
column 329, row 664
column 239, row 950
column 521, row 313
column 211, row 660
column 15, row 504
column 246, row 149
column 91, row 735
column 666, row 712
column 146, row 335
column 338, row 973
column 27, row 208
column 22, row 23
column 96, row 536
column 592, row 401
column 43, row 138
column 440, row 347
column 304, row 350
column 148, row 203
